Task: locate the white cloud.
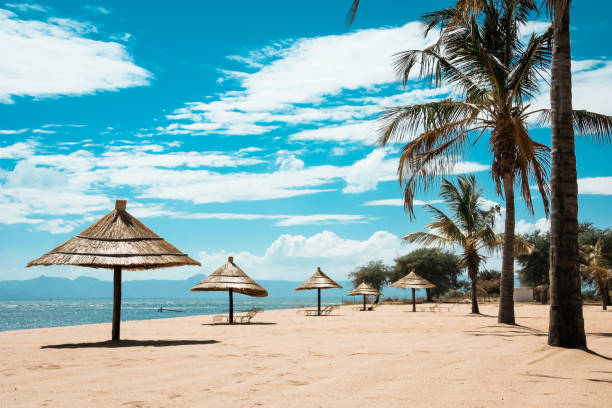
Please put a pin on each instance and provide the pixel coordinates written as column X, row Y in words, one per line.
column 16, row 151
column 43, row 59
column 591, row 83
column 154, row 171
column 366, row 173
column 361, row 132
column 295, row 257
column 525, row 227
column 283, row 220
column 305, row 71
column 595, row 185
column 97, row 9
column 288, row 161
column 12, row 131
column 28, row 7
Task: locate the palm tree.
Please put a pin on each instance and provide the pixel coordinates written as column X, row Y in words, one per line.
column 469, row 226
column 566, row 324
column 594, row 265
column 494, row 76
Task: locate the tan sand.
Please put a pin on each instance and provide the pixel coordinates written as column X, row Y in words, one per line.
column 386, row 358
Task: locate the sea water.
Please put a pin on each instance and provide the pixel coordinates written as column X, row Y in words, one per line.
column 31, row 314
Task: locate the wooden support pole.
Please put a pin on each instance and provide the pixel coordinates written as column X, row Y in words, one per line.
column 116, row 303
column 364, row 302
column 319, row 301
column 413, row 300
column 231, row 311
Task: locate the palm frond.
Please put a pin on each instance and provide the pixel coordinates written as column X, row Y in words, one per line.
column 351, row 13
column 427, row 239
column 534, row 62
column 596, row 127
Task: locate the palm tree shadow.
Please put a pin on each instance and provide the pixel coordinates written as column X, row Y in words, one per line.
column 129, row 343
column 600, row 334
column 596, row 354
column 507, row 331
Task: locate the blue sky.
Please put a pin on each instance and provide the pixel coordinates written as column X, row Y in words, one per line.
column 243, row 128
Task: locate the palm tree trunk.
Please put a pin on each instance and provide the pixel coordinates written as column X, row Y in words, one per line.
column 475, row 309
column 566, row 324
column 506, row 290
column 603, row 292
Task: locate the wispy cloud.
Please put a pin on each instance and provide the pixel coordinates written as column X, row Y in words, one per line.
column 162, row 172
column 12, row 131
column 55, row 57
column 289, row 74
column 97, row 9
column 28, row 7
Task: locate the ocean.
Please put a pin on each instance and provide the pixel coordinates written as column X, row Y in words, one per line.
column 31, row 314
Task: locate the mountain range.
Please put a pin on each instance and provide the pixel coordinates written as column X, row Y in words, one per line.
column 51, row 288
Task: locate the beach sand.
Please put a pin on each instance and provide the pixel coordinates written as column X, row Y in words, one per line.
column 389, row 357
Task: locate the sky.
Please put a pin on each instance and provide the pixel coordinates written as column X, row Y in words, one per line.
column 238, row 128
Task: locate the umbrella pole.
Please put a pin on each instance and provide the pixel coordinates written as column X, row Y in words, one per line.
column 116, row 303
column 413, row 301
column 231, row 311
column 364, row 302
column 319, row 301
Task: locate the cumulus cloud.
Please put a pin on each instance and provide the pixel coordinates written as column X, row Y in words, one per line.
column 294, row 257
column 55, row 57
column 525, row 227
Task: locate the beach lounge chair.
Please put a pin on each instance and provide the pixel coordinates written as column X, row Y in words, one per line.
column 325, row 311
column 370, row 307
column 244, row 318
column 329, row 309
column 437, row 307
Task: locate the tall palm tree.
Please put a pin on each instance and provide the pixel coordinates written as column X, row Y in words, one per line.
column 594, row 265
column 468, row 226
column 566, row 324
column 494, row 76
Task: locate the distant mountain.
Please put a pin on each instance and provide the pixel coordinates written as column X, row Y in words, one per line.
column 47, row 288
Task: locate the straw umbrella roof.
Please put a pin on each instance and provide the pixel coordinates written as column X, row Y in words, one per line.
column 364, row 289
column 116, row 240
column 412, row 280
column 319, row 280
column 230, row 276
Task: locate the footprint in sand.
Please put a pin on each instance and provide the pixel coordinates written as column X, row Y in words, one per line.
column 134, row 404
column 297, row 383
column 46, row 367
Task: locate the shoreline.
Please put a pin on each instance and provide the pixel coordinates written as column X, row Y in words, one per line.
column 348, row 359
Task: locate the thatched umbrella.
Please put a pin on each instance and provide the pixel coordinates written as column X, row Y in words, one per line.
column 319, row 281
column 116, row 241
column 365, row 290
column 414, row 281
column 233, row 279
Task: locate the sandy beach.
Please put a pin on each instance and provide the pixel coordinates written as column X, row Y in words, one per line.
column 388, row 358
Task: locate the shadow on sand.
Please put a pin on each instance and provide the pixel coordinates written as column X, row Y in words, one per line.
column 240, row 324
column 523, row 331
column 130, row 343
